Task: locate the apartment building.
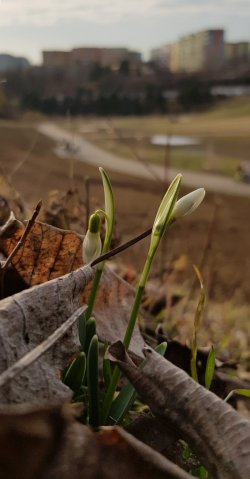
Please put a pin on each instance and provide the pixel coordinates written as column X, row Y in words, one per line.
column 56, row 59
column 202, row 51
column 236, row 52
column 84, row 56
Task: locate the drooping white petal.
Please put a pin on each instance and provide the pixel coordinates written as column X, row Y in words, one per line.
column 91, row 247
column 188, row 203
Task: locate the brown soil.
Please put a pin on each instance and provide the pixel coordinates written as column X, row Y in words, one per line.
column 216, row 236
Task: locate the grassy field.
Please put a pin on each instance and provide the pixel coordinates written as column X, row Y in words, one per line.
column 216, row 236
column 223, row 132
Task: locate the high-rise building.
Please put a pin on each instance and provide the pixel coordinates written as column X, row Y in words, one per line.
column 236, row 52
column 202, row 51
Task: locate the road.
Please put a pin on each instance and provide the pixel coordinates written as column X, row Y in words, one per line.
column 95, row 156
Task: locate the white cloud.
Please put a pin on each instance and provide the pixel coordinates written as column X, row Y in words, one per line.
column 44, row 12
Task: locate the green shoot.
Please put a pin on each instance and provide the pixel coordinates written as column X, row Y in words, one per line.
column 90, row 332
column 124, row 401
column 93, row 382
column 210, row 367
column 241, row 392
column 82, row 330
column 74, row 376
column 197, row 321
column 109, row 221
column 162, row 219
column 106, row 367
column 109, row 210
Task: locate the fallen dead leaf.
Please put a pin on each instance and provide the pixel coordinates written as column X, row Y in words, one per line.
column 47, row 253
column 49, row 444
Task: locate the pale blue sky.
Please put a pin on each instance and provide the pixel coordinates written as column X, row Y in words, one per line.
column 28, row 26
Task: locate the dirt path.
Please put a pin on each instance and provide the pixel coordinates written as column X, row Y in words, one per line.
column 95, row 156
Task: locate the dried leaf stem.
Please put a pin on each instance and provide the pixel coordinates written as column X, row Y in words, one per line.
column 121, row 248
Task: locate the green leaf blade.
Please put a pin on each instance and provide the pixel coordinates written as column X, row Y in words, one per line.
column 75, row 374
column 109, row 209
column 124, row 401
column 240, row 392
column 93, row 382
column 166, row 207
column 210, row 367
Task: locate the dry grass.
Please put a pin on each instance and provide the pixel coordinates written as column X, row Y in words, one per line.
column 223, row 132
column 34, row 172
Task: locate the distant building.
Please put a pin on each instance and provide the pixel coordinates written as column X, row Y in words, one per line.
column 237, row 52
column 161, row 56
column 202, row 51
column 85, row 56
column 9, row 62
column 56, row 59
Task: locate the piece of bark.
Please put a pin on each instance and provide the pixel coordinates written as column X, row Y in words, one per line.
column 50, row 444
column 112, row 309
column 215, row 432
column 29, row 317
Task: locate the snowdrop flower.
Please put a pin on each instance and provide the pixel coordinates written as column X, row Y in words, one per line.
column 188, row 203
column 92, row 245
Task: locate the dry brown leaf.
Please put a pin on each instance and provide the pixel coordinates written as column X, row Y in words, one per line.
column 48, row 443
column 26, row 320
column 29, row 441
column 214, row 430
column 29, row 317
column 47, row 253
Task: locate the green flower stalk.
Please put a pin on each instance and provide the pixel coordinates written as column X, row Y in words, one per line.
column 109, row 215
column 162, row 220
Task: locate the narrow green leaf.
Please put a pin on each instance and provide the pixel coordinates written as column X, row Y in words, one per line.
column 165, row 209
column 107, row 374
column 82, row 330
column 210, row 367
column 93, row 382
column 124, row 401
column 109, row 209
column 74, row 376
column 90, row 332
column 162, row 219
column 161, row 348
column 197, row 320
column 241, row 392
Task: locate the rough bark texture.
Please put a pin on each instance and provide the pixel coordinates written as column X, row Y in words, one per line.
column 216, row 432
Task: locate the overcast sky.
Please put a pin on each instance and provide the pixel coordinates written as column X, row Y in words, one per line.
column 29, row 26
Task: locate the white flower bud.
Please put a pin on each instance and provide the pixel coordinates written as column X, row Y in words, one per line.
column 188, row 203
column 92, row 245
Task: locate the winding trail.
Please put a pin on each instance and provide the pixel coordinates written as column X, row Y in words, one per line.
column 95, row 156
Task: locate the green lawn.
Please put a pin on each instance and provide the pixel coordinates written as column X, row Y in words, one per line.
column 224, row 132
